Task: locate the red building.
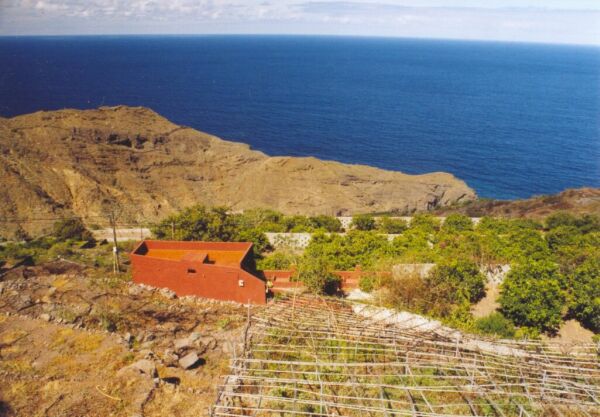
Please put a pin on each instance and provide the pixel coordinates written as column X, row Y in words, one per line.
column 219, row 270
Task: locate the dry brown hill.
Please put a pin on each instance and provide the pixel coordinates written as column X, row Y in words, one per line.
column 72, row 162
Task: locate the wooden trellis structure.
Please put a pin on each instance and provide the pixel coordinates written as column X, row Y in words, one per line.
column 308, row 356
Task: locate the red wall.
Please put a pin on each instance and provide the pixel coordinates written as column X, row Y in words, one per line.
column 209, row 281
column 281, row 279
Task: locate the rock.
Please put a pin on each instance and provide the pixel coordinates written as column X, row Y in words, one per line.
column 135, row 290
column 147, row 345
column 146, row 353
column 146, row 367
column 169, row 358
column 128, row 338
column 194, row 336
column 165, row 292
column 45, row 317
column 189, row 360
column 23, row 302
column 209, row 342
column 181, row 344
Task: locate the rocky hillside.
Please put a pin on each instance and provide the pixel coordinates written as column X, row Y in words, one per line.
column 575, row 201
column 77, row 341
column 81, row 162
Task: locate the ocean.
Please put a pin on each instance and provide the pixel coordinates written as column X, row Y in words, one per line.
column 512, row 120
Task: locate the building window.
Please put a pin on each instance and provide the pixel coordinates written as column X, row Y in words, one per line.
column 191, row 271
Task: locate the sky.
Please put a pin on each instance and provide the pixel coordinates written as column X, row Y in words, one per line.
column 548, row 21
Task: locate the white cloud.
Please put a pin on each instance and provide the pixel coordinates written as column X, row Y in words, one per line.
column 567, row 21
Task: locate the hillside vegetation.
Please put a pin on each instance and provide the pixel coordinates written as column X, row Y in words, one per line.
column 574, row 201
column 555, row 263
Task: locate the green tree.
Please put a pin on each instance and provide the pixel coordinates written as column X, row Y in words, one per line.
column 328, row 223
column 585, row 300
column 277, row 261
column 425, row 222
column 71, row 229
column 457, row 223
column 363, row 222
column 257, row 237
column 317, row 275
column 462, row 276
column 392, row 226
column 347, row 251
column 532, row 295
column 265, row 220
column 562, row 236
column 560, row 219
column 198, row 223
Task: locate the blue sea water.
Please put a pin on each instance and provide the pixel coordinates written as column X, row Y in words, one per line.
column 513, row 120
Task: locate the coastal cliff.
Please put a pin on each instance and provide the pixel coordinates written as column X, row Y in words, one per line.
column 76, row 162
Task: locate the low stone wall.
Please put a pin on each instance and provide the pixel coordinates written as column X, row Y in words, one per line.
column 402, row 270
column 301, row 240
column 123, row 235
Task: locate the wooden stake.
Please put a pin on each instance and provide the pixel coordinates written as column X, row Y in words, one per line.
column 113, row 223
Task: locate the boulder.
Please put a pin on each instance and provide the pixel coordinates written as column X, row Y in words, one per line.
column 146, row 367
column 181, row 344
column 189, row 360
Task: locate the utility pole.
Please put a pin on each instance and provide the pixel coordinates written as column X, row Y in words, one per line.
column 113, row 210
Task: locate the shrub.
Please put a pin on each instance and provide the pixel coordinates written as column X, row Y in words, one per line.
column 524, row 244
column 588, row 223
column 531, row 296
column 585, row 304
column 277, row 260
column 21, row 235
column 328, row 223
column 408, row 292
column 392, row 226
column 527, row 333
column 363, row 222
column 446, row 293
column 317, row 275
column 425, row 222
column 560, row 219
column 60, row 250
column 495, row 324
column 71, row 229
column 562, row 236
column 463, row 278
column 345, row 252
column 457, row 223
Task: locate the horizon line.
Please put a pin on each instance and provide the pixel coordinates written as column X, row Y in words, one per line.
column 323, row 35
